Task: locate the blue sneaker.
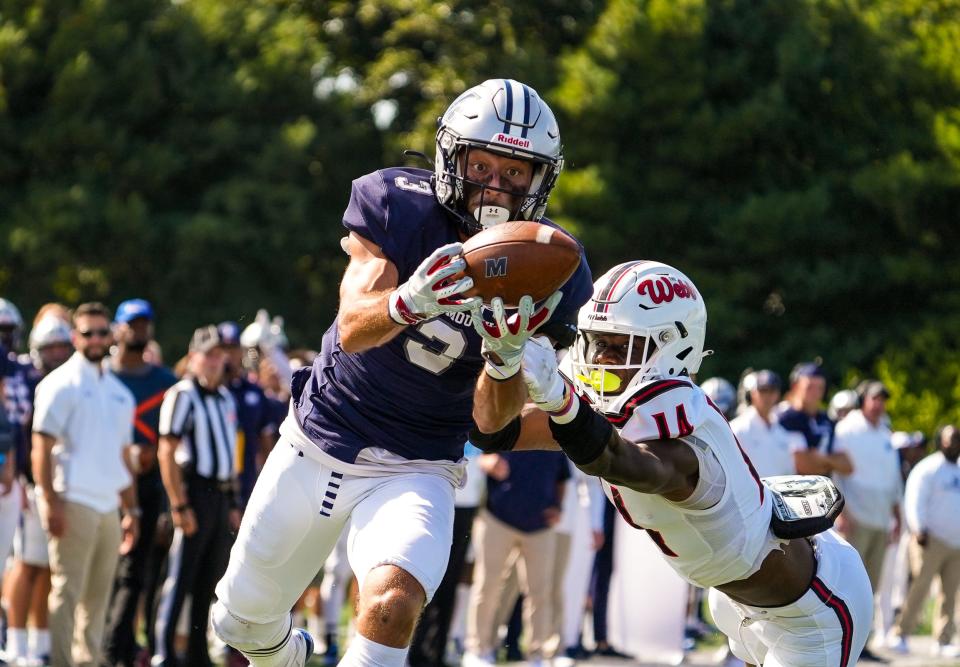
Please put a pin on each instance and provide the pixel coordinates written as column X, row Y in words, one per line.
column 332, row 655
column 307, row 643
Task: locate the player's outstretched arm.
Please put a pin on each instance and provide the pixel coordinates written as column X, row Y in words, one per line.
column 664, row 467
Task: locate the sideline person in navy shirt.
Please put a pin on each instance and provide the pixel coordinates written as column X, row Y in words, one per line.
column 138, row 572
column 807, row 422
column 256, row 414
column 524, row 496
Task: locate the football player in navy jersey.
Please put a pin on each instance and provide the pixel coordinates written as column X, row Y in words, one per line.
column 374, row 441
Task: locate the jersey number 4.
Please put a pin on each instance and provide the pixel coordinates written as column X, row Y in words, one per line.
column 683, row 424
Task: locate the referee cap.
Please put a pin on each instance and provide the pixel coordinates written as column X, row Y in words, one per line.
column 205, row 339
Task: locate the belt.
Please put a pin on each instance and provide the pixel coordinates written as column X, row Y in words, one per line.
column 224, row 486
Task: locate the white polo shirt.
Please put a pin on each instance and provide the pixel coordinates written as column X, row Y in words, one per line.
column 769, row 446
column 91, row 416
column 875, row 485
column 932, row 499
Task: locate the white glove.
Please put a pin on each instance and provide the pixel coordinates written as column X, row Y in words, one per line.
column 431, row 291
column 546, row 386
column 504, row 338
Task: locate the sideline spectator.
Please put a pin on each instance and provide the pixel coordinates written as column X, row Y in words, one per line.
column 198, row 431
column 762, row 437
column 257, row 431
column 811, row 428
column 138, row 573
column 524, row 496
column 931, row 506
column 83, row 423
column 29, row 580
column 874, row 488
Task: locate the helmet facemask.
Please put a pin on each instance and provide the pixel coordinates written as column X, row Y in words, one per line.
column 530, row 204
column 600, row 381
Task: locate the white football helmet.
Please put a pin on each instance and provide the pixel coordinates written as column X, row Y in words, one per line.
column 49, row 331
column 722, row 393
column 501, row 116
column 660, row 309
column 10, row 320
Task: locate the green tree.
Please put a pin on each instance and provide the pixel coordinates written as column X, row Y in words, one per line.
column 174, row 151
column 798, row 160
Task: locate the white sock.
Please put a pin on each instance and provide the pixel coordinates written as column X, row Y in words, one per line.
column 40, row 642
column 17, row 642
column 315, row 626
column 366, row 653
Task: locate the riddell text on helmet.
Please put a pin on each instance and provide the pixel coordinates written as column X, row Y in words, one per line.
column 513, row 141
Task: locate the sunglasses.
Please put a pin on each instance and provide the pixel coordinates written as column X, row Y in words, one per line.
column 90, row 333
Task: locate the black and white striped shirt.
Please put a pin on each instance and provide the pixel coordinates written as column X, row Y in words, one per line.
column 206, row 423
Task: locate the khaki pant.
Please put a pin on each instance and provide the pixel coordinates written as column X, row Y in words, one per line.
column 83, row 562
column 494, row 544
column 871, row 544
column 936, row 559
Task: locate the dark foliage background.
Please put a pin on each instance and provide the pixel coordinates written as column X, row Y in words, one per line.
column 800, row 161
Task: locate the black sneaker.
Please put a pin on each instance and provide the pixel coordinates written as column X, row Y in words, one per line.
column 870, row 656
column 610, row 652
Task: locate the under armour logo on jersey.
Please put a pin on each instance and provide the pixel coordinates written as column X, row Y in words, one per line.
column 495, row 267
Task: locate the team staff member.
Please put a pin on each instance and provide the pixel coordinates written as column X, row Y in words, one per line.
column 133, row 328
column 257, row 430
column 82, row 424
column 198, row 433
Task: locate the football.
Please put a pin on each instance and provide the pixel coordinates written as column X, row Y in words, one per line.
column 513, row 259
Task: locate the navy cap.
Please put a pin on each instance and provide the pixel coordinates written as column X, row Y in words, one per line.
column 764, row 379
column 131, row 309
column 229, row 332
column 806, row 370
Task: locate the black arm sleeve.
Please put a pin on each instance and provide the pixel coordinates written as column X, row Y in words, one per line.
column 583, row 439
column 502, row 441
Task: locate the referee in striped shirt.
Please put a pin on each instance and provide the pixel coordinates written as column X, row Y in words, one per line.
column 198, row 430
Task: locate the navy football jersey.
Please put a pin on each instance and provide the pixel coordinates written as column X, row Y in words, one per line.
column 412, row 396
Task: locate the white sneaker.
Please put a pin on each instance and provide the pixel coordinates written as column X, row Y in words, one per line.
column 538, row 662
column 564, row 661
column 474, row 660
column 947, row 650
column 898, row 644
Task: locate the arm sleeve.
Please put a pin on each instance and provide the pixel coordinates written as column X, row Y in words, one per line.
column 51, row 409
column 916, row 499
column 175, row 412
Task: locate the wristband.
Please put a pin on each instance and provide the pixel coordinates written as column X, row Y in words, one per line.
column 398, row 310
column 135, row 512
column 181, row 508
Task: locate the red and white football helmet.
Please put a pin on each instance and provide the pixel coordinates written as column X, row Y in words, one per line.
column 659, row 308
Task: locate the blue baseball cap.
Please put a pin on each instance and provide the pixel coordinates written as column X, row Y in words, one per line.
column 229, row 333
column 131, row 309
column 763, row 379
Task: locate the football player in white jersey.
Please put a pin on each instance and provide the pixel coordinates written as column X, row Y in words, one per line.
column 623, row 408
